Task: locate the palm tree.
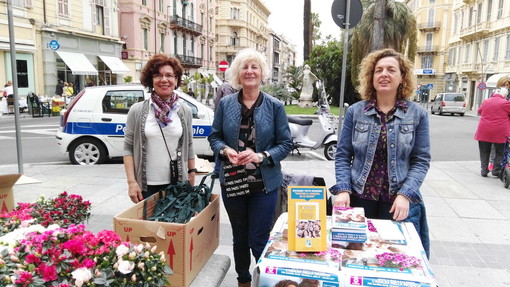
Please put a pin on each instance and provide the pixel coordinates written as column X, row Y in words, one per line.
column 307, row 29
column 399, row 31
column 294, row 78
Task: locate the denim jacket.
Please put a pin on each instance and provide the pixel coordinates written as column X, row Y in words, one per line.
column 408, row 150
column 272, row 134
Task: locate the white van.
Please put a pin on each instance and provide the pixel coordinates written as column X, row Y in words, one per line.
column 452, row 103
column 92, row 128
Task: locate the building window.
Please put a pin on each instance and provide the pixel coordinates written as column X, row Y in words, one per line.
column 234, row 40
column 161, row 5
column 500, row 9
column 479, row 14
column 426, row 62
column 162, row 40
column 145, row 38
column 428, row 41
column 22, row 3
column 489, row 10
column 99, row 20
column 175, row 43
column 461, row 20
column 507, row 54
column 202, row 51
column 468, row 51
column 485, row 50
column 470, row 19
column 496, row 49
column 144, row 2
column 430, row 19
column 234, row 13
column 63, row 7
column 210, row 53
column 184, row 44
column 451, row 56
column 22, row 73
column 455, row 23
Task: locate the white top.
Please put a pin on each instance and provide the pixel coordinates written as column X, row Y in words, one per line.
column 9, row 90
column 158, row 161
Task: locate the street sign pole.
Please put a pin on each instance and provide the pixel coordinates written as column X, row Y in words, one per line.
column 14, row 72
column 344, row 68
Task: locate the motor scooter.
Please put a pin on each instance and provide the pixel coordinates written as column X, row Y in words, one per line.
column 327, row 138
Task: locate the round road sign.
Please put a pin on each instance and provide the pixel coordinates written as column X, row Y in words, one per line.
column 482, row 86
column 223, row 66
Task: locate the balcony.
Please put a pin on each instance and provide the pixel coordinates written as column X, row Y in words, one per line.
column 189, row 61
column 479, row 30
column 429, row 26
column 468, row 68
column 179, row 23
column 428, row 49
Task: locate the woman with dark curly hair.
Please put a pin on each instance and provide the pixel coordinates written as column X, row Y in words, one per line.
column 158, row 143
column 384, row 150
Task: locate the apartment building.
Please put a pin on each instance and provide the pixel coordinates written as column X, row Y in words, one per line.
column 241, row 24
column 73, row 41
column 479, row 47
column 282, row 55
column 433, row 19
column 184, row 29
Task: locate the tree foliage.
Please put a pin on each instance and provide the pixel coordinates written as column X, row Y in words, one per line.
column 400, row 32
column 294, row 78
column 325, row 62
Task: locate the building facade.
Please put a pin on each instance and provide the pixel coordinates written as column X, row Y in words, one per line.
column 479, row 47
column 184, row 29
column 241, row 24
column 434, row 21
column 73, row 41
column 282, row 55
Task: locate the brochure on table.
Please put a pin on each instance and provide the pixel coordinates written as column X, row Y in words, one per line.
column 356, row 264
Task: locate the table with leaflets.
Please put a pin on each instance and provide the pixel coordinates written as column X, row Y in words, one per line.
column 350, row 263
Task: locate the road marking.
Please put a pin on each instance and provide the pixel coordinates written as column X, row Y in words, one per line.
column 33, row 131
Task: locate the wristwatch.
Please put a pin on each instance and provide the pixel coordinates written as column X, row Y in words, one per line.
column 192, row 170
column 222, row 150
column 261, row 156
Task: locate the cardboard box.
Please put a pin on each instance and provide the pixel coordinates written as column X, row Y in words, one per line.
column 187, row 247
column 6, row 192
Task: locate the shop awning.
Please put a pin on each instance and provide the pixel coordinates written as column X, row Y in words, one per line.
column 217, row 79
column 78, row 63
column 115, row 64
column 493, row 80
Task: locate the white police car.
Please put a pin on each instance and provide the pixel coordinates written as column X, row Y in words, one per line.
column 92, row 128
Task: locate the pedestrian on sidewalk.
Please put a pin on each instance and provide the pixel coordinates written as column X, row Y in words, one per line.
column 493, row 129
column 384, row 151
column 505, row 83
column 251, row 132
column 158, row 141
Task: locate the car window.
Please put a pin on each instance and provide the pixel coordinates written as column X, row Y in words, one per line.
column 454, row 97
column 194, row 109
column 119, row 102
column 438, row 98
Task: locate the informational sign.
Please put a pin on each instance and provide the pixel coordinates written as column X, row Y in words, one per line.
column 482, row 86
column 54, row 45
column 223, row 66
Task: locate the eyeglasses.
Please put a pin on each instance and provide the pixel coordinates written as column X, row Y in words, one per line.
column 160, row 77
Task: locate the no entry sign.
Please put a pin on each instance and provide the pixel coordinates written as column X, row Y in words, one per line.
column 223, row 66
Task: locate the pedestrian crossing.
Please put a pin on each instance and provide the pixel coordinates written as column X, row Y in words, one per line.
column 30, row 131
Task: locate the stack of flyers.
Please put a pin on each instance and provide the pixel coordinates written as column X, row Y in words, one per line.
column 349, row 224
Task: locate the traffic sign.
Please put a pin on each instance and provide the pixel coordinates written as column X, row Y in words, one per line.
column 482, row 86
column 223, row 66
column 54, row 45
column 339, row 11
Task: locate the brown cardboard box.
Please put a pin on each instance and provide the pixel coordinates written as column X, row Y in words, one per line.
column 187, row 247
column 6, row 193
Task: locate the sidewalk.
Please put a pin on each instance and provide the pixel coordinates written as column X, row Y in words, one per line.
column 468, row 214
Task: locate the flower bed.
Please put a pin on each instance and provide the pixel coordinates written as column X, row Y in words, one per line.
column 47, row 254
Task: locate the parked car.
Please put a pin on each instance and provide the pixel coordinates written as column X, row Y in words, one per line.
column 92, row 127
column 453, row 103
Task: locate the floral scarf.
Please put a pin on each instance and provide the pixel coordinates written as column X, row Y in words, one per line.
column 164, row 109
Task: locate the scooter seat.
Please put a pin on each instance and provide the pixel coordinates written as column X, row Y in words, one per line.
column 300, row 121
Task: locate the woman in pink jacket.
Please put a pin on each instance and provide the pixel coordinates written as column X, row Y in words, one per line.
column 493, row 128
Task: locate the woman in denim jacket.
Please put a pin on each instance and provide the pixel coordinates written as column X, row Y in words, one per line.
column 384, row 150
column 251, row 131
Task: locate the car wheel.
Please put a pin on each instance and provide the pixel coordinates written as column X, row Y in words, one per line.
column 461, row 114
column 440, row 111
column 87, row 151
column 330, row 150
column 432, row 110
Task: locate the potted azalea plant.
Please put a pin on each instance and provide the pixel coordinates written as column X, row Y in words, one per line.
column 41, row 245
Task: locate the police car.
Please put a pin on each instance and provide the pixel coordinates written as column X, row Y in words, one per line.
column 92, row 128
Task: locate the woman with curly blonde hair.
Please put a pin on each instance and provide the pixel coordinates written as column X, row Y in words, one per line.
column 384, row 150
